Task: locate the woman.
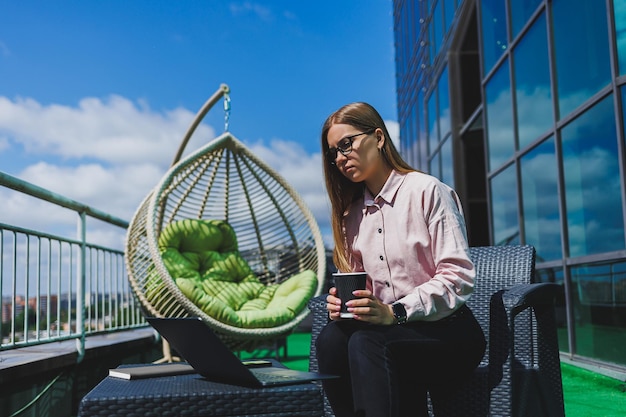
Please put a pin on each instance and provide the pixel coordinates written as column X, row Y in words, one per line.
column 411, row 331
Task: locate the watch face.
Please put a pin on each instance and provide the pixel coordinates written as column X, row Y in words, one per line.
column 399, row 312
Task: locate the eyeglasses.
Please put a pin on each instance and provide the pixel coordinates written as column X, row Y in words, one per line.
column 345, row 146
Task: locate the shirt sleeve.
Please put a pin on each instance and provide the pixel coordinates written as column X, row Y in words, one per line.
column 453, row 280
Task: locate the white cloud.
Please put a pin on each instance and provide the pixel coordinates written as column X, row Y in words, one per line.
column 112, row 153
column 301, row 170
column 534, row 113
column 499, row 129
column 115, row 130
column 262, row 12
column 394, row 131
column 117, row 190
column 4, row 143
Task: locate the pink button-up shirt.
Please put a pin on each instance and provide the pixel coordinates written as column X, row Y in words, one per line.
column 411, row 240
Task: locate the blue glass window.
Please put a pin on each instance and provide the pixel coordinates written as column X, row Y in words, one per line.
column 435, row 165
column 540, row 204
column 598, row 300
column 619, row 7
column 423, row 139
column 581, row 48
column 449, row 10
column 405, row 142
column 555, row 275
column 437, row 29
column 495, row 42
column 433, row 126
column 521, row 11
column 447, row 167
column 412, row 148
column 592, row 182
column 444, row 104
column 504, row 214
column 500, row 139
column 532, row 84
column 623, row 90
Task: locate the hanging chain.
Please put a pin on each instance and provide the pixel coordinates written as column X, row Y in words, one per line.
column 226, row 111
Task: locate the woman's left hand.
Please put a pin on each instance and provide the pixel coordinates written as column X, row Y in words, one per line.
column 370, row 309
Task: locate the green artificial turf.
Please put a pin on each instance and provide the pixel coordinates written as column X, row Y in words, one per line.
column 589, row 394
column 585, row 393
column 298, row 348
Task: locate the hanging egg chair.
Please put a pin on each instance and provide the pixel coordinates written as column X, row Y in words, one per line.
column 225, row 238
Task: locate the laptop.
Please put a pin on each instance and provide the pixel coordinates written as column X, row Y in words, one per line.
column 198, row 344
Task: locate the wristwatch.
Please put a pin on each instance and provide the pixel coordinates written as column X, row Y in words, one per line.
column 399, row 312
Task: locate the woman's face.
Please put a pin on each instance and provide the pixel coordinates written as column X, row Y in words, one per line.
column 364, row 159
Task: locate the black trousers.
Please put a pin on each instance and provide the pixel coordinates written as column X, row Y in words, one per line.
column 388, row 370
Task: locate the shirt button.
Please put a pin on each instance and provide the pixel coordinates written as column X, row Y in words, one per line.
column 381, row 257
column 387, row 284
column 380, row 230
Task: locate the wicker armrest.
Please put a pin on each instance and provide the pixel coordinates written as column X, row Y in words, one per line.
column 536, row 365
column 522, row 296
column 319, row 314
column 318, row 303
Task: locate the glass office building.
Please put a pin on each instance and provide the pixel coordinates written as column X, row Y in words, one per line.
column 519, row 105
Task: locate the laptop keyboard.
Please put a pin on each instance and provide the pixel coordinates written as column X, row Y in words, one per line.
column 272, row 376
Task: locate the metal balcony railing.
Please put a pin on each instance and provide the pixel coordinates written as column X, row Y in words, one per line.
column 57, row 288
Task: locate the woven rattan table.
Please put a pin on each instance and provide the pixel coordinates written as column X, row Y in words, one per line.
column 192, row 395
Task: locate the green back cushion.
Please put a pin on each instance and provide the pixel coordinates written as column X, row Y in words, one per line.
column 203, row 259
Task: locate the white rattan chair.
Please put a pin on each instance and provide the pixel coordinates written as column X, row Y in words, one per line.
column 224, row 180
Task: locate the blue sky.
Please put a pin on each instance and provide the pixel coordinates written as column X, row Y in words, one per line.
column 96, row 95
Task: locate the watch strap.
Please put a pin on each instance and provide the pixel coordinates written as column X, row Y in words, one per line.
column 399, row 312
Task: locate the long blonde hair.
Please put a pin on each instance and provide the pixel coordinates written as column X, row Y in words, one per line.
column 341, row 191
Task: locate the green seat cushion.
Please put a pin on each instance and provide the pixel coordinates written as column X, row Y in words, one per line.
column 203, row 259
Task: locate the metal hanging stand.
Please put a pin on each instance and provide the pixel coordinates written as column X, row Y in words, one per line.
column 223, row 91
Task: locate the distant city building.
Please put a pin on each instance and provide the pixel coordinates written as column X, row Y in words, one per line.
column 43, row 303
column 519, row 105
column 7, row 307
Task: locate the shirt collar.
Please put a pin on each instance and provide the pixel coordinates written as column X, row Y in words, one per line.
column 388, row 192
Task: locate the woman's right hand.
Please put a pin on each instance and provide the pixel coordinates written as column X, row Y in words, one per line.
column 333, row 304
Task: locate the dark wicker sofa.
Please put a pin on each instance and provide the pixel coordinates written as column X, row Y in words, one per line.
column 520, row 374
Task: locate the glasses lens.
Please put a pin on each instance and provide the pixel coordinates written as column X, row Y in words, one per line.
column 345, row 147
